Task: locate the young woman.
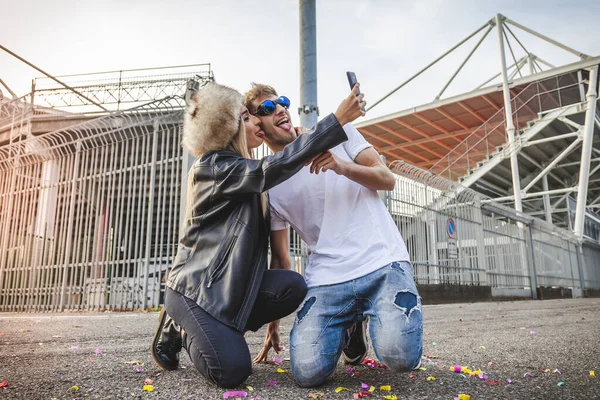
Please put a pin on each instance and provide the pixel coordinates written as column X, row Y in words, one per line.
column 219, row 286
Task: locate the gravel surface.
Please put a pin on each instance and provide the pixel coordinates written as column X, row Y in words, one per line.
column 106, row 356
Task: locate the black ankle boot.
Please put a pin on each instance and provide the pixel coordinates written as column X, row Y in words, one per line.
column 167, row 342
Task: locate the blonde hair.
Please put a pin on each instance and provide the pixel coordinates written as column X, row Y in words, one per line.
column 257, row 91
column 239, row 145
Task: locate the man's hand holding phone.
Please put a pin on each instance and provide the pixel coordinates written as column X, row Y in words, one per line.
column 351, row 107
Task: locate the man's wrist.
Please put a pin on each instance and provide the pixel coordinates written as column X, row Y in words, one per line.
column 343, row 168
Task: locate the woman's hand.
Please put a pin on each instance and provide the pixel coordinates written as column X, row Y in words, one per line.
column 271, row 341
column 350, row 108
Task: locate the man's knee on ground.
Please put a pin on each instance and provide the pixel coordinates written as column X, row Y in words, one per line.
column 402, row 364
column 311, row 368
column 309, row 378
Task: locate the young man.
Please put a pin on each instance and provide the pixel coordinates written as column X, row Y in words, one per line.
column 358, row 268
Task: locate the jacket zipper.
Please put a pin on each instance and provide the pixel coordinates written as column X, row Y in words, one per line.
column 222, row 262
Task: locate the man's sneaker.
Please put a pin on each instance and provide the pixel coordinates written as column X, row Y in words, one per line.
column 355, row 347
column 167, row 342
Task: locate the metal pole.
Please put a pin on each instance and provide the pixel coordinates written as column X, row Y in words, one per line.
column 510, row 127
column 150, row 214
column 547, row 206
column 464, row 62
column 308, row 109
column 51, row 77
column 530, row 62
column 432, row 63
column 497, row 75
column 580, row 267
column 532, row 272
column 554, row 162
column 586, row 152
column 546, row 38
column 68, row 258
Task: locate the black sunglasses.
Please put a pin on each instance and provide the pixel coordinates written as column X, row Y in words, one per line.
column 268, row 107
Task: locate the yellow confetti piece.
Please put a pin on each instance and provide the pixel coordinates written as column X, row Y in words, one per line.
column 148, row 388
column 463, row 396
column 431, row 378
column 422, row 369
column 392, row 397
column 467, row 371
column 372, row 389
column 249, row 388
column 339, row 389
column 385, row 388
column 592, row 373
column 481, row 347
column 281, row 370
column 73, row 389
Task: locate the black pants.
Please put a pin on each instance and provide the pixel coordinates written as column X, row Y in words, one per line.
column 220, row 352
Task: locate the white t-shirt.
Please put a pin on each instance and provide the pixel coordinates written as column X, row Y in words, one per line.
column 347, row 228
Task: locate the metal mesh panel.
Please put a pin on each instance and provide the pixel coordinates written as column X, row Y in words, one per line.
column 90, row 214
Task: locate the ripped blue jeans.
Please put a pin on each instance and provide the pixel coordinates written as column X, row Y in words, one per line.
column 387, row 296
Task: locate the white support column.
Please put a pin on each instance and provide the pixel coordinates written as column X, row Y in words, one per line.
column 530, row 62
column 586, row 152
column 547, row 206
column 510, row 127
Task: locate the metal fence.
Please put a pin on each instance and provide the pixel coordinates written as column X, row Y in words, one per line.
column 89, row 220
column 90, row 214
column 490, row 244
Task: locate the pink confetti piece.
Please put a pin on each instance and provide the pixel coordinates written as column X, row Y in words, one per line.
column 148, row 381
column 277, row 360
column 532, row 332
column 509, row 381
column 526, row 374
column 457, row 368
column 74, row 347
column 138, row 370
column 272, row 383
column 364, row 386
column 98, row 351
column 235, row 393
column 556, row 371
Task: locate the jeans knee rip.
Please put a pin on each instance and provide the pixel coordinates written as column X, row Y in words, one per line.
column 304, row 310
column 407, row 302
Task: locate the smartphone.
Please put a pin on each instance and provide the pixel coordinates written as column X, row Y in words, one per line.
column 352, row 81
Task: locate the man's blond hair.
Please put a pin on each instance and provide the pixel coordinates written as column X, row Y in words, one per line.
column 257, row 91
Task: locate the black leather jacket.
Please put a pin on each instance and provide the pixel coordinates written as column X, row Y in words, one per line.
column 223, row 253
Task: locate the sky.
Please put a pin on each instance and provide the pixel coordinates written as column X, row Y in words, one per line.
column 383, row 42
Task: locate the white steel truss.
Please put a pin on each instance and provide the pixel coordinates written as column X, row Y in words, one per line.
column 505, row 142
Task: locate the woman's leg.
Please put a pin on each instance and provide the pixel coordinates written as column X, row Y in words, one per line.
column 218, row 351
column 281, row 292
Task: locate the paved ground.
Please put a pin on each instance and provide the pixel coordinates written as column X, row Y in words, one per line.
column 43, row 355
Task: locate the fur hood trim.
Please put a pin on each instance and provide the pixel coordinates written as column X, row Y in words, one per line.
column 212, row 119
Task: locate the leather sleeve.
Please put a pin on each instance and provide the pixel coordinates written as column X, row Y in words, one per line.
column 235, row 175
